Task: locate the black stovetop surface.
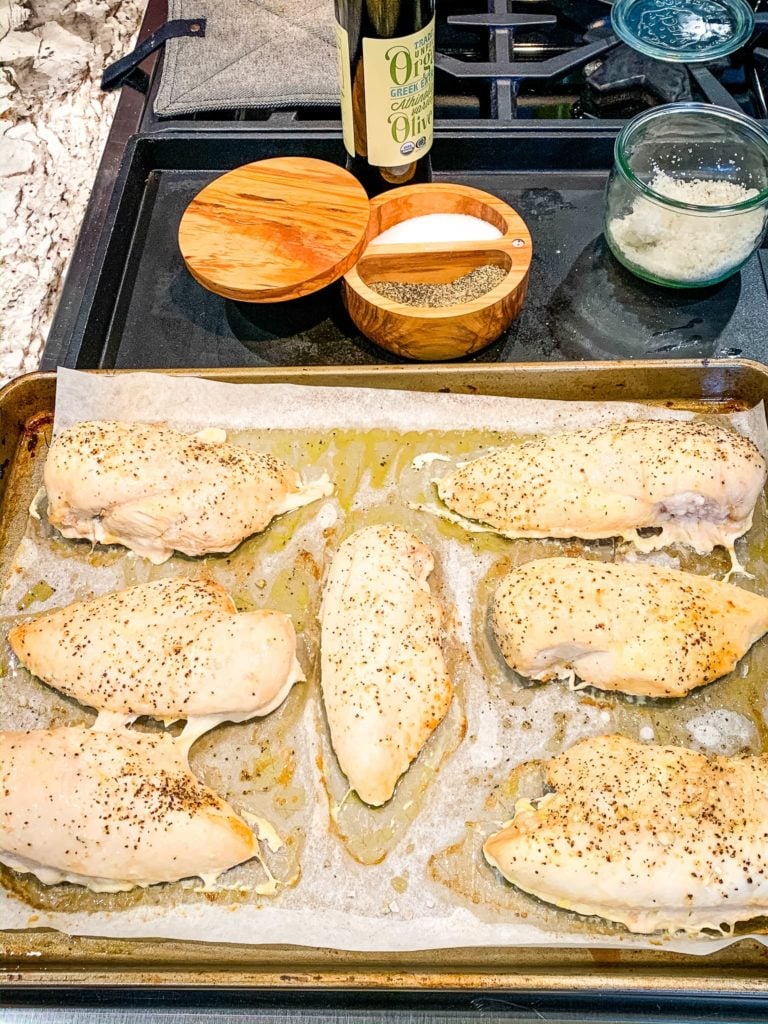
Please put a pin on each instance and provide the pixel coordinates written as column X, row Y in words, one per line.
column 139, row 307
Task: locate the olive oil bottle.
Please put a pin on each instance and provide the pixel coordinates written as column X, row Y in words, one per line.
column 386, row 52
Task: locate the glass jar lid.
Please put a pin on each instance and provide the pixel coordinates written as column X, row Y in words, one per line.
column 689, row 31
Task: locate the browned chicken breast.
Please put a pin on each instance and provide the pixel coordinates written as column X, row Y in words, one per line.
column 172, row 649
column 111, row 811
column 384, row 682
column 155, row 490
column 658, row 838
column 639, row 629
column 698, row 482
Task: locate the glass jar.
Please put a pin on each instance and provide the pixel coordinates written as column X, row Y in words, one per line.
column 686, row 200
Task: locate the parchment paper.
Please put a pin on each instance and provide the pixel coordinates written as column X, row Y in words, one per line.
column 190, row 403
column 395, row 905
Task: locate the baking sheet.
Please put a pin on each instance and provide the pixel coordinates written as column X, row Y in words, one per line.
column 430, row 889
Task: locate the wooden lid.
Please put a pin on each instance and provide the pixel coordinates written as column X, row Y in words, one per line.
column 275, row 229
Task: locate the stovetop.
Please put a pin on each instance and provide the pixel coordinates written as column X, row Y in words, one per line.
column 499, row 61
column 530, row 97
column 560, row 60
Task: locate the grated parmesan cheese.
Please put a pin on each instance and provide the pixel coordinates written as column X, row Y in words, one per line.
column 688, row 247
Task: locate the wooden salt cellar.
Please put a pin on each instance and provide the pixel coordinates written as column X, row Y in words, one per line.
column 448, row 332
column 285, row 227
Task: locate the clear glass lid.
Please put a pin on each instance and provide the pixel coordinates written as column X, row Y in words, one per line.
column 683, row 30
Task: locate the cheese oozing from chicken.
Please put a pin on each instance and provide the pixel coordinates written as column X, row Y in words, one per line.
column 695, row 482
column 638, row 629
column 156, row 491
column 173, row 649
column 111, row 811
column 384, row 682
column 657, row 838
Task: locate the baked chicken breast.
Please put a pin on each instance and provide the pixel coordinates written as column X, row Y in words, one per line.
column 111, row 811
column 696, row 482
column 657, row 838
column 638, row 629
column 155, row 490
column 384, row 682
column 173, row 649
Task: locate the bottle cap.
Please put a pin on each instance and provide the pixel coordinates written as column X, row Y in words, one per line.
column 276, row 229
column 689, row 31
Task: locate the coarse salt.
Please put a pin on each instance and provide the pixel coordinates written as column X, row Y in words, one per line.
column 688, row 247
column 439, row 227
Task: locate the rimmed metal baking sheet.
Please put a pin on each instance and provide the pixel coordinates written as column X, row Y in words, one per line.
column 46, row 958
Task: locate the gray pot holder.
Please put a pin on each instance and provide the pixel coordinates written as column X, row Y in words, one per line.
column 255, row 53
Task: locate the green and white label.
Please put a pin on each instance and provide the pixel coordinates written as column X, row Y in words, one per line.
column 345, row 88
column 399, row 97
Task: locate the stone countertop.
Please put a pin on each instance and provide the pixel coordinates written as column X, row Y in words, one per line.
column 53, row 124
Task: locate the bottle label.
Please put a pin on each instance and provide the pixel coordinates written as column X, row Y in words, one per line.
column 345, row 88
column 399, row 97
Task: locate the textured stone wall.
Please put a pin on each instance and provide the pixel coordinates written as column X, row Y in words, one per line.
column 53, row 125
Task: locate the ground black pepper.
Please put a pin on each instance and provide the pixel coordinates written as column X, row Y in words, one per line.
column 464, row 289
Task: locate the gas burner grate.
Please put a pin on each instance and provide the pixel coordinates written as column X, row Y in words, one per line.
column 504, row 72
column 617, row 82
column 503, row 61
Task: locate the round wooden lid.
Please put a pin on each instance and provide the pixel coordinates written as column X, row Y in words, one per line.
column 275, row 229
